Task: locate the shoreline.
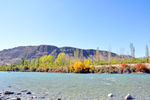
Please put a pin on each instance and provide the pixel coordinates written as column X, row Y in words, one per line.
column 72, row 73
column 80, row 68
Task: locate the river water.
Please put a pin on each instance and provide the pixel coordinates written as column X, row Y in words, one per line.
column 51, row 86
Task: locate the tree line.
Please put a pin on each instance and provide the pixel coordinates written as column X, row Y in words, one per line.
column 48, row 63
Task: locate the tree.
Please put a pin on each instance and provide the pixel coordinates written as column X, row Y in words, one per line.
column 37, row 62
column 50, row 60
column 97, row 55
column 132, row 50
column 76, row 54
column 109, row 56
column 22, row 61
column 87, row 62
column 61, row 60
column 147, row 53
column 25, row 63
column 81, row 54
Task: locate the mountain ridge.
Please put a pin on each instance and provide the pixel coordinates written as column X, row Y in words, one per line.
column 14, row 55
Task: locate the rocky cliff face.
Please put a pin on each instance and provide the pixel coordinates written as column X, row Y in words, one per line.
column 14, row 55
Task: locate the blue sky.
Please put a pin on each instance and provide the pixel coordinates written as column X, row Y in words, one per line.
column 77, row 23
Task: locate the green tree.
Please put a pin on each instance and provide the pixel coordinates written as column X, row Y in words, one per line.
column 37, row 62
column 32, row 62
column 97, row 55
column 109, row 56
column 22, row 61
column 25, row 63
column 76, row 54
column 147, row 53
column 87, row 62
column 61, row 60
column 81, row 54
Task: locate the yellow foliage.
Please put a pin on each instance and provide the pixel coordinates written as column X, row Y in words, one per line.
column 92, row 68
column 71, row 68
column 88, row 62
column 79, row 67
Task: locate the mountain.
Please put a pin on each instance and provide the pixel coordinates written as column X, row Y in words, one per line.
column 14, row 55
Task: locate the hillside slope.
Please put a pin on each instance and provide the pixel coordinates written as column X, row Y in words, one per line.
column 14, row 55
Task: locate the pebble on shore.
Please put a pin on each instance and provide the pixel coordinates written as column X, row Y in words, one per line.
column 128, row 97
column 8, row 93
column 16, row 98
column 28, row 93
column 24, row 91
column 18, row 93
column 110, row 95
column 33, row 97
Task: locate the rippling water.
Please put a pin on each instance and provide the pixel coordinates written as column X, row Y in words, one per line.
column 52, row 86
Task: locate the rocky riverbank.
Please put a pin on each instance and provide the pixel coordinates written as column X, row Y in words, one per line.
column 11, row 95
column 22, row 95
column 27, row 95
